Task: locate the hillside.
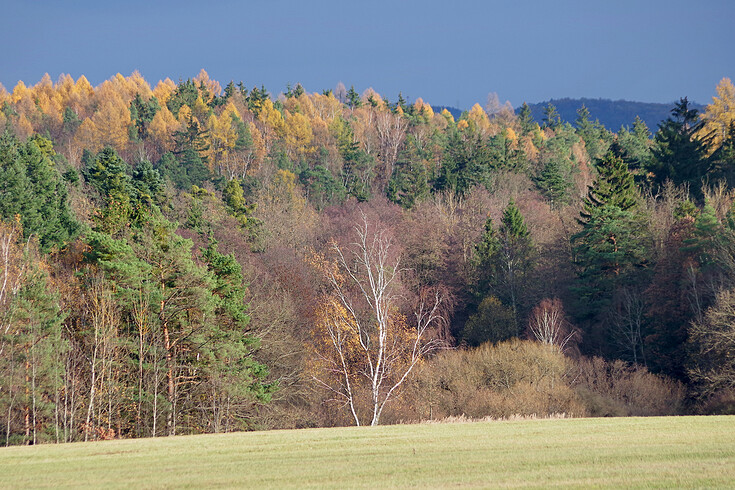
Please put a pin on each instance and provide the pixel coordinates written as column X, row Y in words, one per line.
column 661, row 452
column 611, row 113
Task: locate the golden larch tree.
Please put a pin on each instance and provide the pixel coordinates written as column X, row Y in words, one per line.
column 163, row 91
column 720, row 114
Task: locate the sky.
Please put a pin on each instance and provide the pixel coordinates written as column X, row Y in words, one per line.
column 448, row 53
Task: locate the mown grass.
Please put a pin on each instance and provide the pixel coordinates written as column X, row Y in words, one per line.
column 661, row 452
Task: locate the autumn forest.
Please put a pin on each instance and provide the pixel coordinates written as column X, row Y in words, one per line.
column 192, row 258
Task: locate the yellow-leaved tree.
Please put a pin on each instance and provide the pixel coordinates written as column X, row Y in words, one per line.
column 478, row 116
column 298, row 135
column 720, row 114
column 162, row 128
column 222, row 140
column 163, row 91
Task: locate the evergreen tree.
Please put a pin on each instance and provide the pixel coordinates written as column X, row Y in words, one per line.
column 33, row 189
column 506, row 154
column 614, row 186
column 186, row 93
column 353, row 98
column 596, row 138
column 503, row 261
column 611, row 254
column 516, row 255
column 410, row 180
column 634, row 147
column 553, row 183
column 142, row 113
column 525, row 119
column 552, row 119
column 322, row 188
column 722, row 166
column 31, row 365
column 467, row 161
column 677, row 154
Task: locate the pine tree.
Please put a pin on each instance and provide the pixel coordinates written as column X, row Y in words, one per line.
column 33, row 189
column 596, row 138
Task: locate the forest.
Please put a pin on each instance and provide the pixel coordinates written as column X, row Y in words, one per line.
column 191, row 259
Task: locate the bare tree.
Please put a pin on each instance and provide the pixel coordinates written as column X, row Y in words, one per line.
column 628, row 323
column 368, row 348
column 548, row 324
column 391, row 129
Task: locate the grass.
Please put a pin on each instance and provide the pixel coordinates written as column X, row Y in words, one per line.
column 660, row 452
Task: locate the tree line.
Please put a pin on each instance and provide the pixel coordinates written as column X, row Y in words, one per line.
column 188, row 258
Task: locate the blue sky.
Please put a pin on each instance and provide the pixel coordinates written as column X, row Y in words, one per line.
column 447, row 53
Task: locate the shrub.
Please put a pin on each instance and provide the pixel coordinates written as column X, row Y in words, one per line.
column 510, row 378
column 616, row 388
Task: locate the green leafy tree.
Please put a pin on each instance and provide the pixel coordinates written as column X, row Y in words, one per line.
column 109, row 175
column 322, row 188
column 32, row 360
column 186, row 94
column 493, row 322
column 554, row 183
column 235, row 379
column 353, row 98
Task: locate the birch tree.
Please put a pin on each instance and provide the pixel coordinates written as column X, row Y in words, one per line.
column 366, row 347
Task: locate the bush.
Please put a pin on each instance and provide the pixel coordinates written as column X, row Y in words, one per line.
column 510, row 378
column 617, row 389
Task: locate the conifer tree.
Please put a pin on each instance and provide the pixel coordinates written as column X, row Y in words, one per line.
column 525, row 119
column 677, row 154
column 614, row 186
column 552, row 119
column 553, row 183
column 503, row 260
column 33, row 189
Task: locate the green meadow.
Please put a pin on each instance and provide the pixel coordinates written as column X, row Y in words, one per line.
column 661, row 452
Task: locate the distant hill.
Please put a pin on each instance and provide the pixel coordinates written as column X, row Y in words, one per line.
column 452, row 110
column 611, row 113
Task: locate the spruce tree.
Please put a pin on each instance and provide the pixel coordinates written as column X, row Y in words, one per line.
column 553, row 184
column 614, row 186
column 525, row 119
column 678, row 154
column 552, row 119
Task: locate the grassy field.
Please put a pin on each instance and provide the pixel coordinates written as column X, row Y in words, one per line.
column 624, row 452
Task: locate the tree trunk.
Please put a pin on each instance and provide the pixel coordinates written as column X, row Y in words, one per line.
column 171, row 388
